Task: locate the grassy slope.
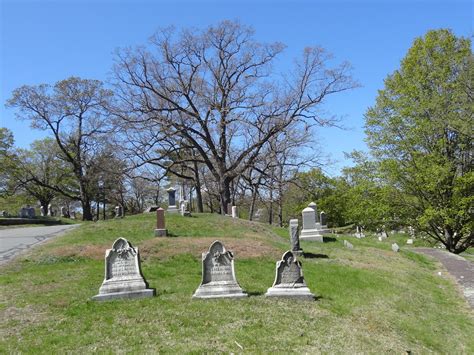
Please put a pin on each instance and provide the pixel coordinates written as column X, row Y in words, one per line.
column 369, row 298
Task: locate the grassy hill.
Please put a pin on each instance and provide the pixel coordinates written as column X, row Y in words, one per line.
column 370, row 299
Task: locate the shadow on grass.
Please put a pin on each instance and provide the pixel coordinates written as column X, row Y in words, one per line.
column 254, row 293
column 314, row 256
column 329, row 239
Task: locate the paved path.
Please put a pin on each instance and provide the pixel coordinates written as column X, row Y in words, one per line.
column 460, row 268
column 16, row 240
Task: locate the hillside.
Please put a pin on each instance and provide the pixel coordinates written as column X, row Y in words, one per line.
column 369, row 299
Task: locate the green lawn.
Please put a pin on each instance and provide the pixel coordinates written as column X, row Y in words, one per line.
column 370, row 299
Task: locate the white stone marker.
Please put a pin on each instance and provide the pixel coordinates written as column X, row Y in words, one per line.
column 410, row 241
column 309, row 231
column 289, row 281
column 123, row 277
column 234, row 212
column 395, row 247
column 218, row 275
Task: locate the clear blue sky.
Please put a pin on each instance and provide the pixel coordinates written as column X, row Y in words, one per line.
column 46, row 41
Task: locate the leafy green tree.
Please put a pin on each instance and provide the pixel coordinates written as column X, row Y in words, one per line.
column 8, row 159
column 420, row 130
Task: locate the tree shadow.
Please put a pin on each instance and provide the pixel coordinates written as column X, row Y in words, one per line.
column 329, row 239
column 254, row 293
column 314, row 256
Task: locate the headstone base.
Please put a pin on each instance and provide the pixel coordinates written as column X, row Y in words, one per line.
column 311, row 235
column 219, row 291
column 299, row 292
column 172, row 209
column 125, row 295
column 161, row 232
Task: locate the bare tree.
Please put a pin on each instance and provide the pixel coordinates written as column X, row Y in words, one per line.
column 75, row 112
column 216, row 90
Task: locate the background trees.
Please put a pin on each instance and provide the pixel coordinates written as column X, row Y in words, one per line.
column 420, row 131
column 215, row 90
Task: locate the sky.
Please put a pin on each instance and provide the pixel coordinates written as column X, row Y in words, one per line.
column 47, row 41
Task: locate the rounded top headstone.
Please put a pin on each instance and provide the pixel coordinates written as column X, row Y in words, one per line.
column 312, row 204
column 308, row 209
column 171, row 189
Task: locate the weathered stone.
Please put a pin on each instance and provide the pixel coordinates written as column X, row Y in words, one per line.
column 395, row 247
column 234, row 212
column 160, row 230
column 322, row 219
column 295, row 238
column 118, row 212
column 123, row 277
column 348, row 244
column 309, row 231
column 218, row 275
column 151, row 209
column 64, row 212
column 289, row 280
column 410, row 241
column 172, row 200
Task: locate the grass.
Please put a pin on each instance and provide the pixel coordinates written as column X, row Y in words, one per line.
column 370, row 299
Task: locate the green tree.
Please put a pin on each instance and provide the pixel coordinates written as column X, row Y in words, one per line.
column 420, row 130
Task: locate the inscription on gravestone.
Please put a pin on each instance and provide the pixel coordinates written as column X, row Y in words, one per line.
column 289, row 280
column 218, row 275
column 123, row 278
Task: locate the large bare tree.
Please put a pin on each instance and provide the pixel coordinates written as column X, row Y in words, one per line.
column 75, row 111
column 216, row 89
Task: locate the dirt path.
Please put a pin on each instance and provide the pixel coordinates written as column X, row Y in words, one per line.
column 457, row 266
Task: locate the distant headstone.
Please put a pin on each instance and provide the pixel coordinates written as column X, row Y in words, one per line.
column 380, row 238
column 184, row 209
column 411, row 232
column 348, row 244
column 234, row 212
column 315, row 208
column 218, row 275
column 258, row 214
column 123, row 277
column 295, row 238
column 50, row 210
column 229, row 209
column 410, row 241
column 151, row 209
column 160, row 230
column 172, row 200
column 289, row 280
column 118, row 212
column 4, row 214
column 43, row 211
column 73, row 214
column 322, row 219
column 395, row 247
column 309, row 231
column 64, row 212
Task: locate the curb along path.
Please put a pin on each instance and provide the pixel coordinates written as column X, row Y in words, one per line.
column 457, row 266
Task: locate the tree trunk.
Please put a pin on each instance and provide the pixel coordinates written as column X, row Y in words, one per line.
column 197, row 185
column 44, row 203
column 86, row 210
column 252, row 203
column 224, row 195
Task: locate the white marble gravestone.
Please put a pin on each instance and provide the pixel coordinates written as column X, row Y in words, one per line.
column 234, row 212
column 123, row 277
column 218, row 275
column 310, row 230
column 289, row 280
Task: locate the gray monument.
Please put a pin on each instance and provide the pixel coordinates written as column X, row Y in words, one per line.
column 160, row 230
column 289, row 280
column 309, row 231
column 295, row 238
column 218, row 275
column 123, row 277
column 172, row 200
column 315, row 208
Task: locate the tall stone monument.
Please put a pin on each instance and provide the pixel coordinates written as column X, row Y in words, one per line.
column 234, row 212
column 309, row 231
column 295, row 238
column 160, row 230
column 289, row 280
column 123, row 277
column 172, row 200
column 218, row 275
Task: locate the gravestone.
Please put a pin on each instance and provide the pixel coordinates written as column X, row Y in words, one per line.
column 172, row 200
column 410, row 241
column 289, row 280
column 229, row 209
column 4, row 214
column 395, row 247
column 151, row 209
column 123, row 277
column 348, row 244
column 160, row 230
column 64, row 212
column 43, row 211
column 50, row 210
column 73, row 214
column 309, row 231
column 258, row 214
column 322, row 219
column 315, row 208
column 118, row 212
column 234, row 212
column 218, row 275
column 184, row 208
column 295, row 238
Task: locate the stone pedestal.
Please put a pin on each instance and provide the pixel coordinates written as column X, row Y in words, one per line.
column 218, row 275
column 123, row 278
column 289, row 281
column 160, row 230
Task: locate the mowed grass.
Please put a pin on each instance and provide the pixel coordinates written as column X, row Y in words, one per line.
column 369, row 299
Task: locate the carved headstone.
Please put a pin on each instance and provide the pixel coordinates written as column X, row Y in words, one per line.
column 218, row 275
column 123, row 277
column 289, row 280
column 309, row 231
column 172, row 200
column 160, row 230
column 295, row 238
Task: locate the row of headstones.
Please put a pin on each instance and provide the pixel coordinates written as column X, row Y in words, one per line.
column 124, row 279
column 381, row 235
